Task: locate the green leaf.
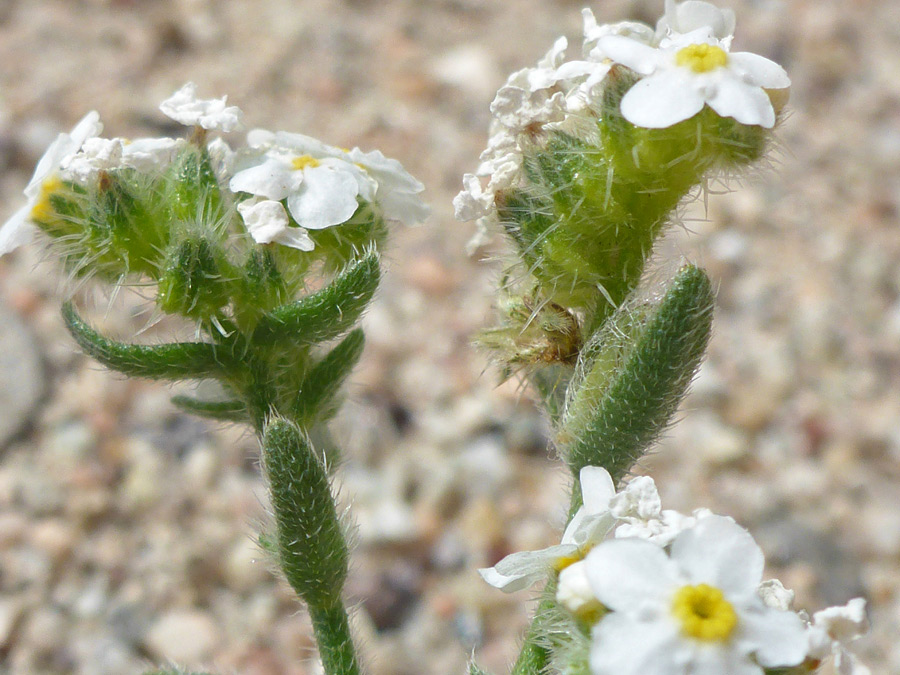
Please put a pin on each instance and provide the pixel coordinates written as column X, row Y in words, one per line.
column 174, row 361
column 312, row 550
column 226, row 411
column 324, row 379
column 626, row 400
column 326, row 314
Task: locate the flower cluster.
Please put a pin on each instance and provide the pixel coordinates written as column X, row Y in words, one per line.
column 281, row 184
column 672, row 72
column 666, row 592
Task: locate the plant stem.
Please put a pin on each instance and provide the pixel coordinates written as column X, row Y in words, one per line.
column 332, row 629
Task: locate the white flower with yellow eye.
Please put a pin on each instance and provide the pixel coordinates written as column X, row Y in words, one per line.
column 19, row 229
column 322, row 184
column 690, row 71
column 588, row 527
column 692, row 611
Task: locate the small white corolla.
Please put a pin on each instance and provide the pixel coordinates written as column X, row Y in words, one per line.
column 689, row 71
column 588, row 527
column 19, row 228
column 322, row 184
column 694, row 610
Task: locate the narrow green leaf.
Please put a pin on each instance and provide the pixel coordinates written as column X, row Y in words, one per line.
column 324, row 379
column 624, row 403
column 226, row 411
column 326, row 314
column 174, row 361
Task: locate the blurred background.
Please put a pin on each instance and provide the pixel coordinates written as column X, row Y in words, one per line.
column 127, row 529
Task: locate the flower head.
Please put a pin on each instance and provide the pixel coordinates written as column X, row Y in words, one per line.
column 212, row 113
column 589, row 526
column 833, row 630
column 693, row 610
column 321, row 184
column 19, row 228
column 690, row 71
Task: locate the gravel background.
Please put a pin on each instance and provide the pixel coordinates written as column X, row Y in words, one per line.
column 126, row 529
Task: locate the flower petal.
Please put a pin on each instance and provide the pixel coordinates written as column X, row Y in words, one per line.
column 324, row 198
column 638, row 56
column 719, row 552
column 661, row 100
column 271, row 179
column 746, row 103
column 758, row 70
column 777, row 638
column 627, row 574
column 520, row 570
column 597, row 489
column 17, row 230
column 622, row 645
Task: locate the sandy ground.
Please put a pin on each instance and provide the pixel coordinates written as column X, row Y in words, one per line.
column 126, row 529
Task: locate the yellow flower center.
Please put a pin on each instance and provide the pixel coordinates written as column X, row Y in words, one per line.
column 564, row 561
column 701, row 58
column 304, row 161
column 704, row 613
column 43, row 211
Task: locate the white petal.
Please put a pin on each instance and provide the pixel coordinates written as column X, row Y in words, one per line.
column 325, row 198
column 17, row 230
column 776, row 638
column 630, row 53
column 307, row 145
column 661, row 100
column 265, row 219
column 627, row 574
column 746, row 103
column 717, row 659
column 61, row 149
column 622, row 645
column 404, row 207
column 758, row 70
column 688, row 16
column 597, row 489
column 147, row 154
column 573, row 590
column 520, row 570
column 295, row 237
column 721, row 553
column 271, row 179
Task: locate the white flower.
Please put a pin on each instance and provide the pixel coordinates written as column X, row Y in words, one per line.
column 321, row 183
column 695, row 611
column 588, row 527
column 97, row 154
column 640, row 511
column 268, row 222
column 833, row 629
column 19, row 228
column 686, row 17
column 693, row 70
column 183, row 106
